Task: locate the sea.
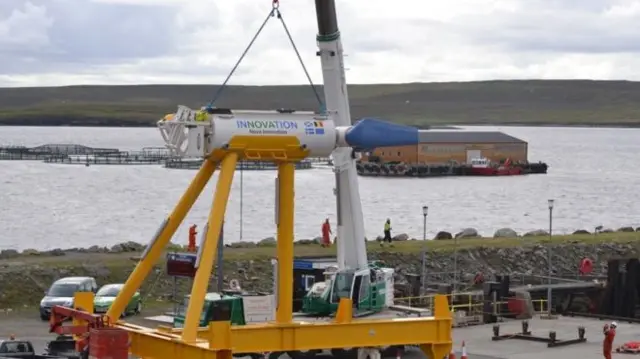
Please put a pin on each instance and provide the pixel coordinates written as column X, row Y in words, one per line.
column 594, row 178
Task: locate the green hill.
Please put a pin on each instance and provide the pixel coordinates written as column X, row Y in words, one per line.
column 522, row 102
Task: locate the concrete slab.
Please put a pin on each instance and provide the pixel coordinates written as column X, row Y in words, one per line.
column 480, row 346
column 164, row 319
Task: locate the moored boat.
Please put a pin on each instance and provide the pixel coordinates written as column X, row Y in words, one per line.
column 483, row 167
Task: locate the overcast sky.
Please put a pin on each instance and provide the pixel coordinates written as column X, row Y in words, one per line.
column 63, row 42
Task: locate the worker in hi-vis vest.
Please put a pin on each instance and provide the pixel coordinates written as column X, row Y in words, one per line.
column 192, row 238
column 609, row 332
column 326, row 233
column 387, row 232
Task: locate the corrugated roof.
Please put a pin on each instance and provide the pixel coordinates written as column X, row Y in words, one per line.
column 427, row 136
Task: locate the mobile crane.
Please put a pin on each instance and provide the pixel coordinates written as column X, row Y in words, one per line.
column 223, row 137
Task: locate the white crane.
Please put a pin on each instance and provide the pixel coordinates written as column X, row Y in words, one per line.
column 351, row 246
column 190, row 133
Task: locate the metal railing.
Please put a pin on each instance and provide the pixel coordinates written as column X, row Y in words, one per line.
column 471, row 303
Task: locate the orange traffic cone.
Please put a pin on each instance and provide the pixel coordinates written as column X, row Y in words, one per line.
column 452, row 355
column 464, row 352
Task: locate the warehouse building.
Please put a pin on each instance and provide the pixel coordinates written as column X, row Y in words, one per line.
column 437, row 147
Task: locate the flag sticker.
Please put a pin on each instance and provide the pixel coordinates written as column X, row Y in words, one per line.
column 314, row 128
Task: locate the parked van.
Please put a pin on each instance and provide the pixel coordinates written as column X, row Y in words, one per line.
column 62, row 291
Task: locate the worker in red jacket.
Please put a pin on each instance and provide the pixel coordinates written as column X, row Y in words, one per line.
column 609, row 335
column 192, row 238
column 326, row 233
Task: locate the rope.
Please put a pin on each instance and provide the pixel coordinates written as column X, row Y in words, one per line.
column 275, row 11
column 304, row 68
column 244, row 53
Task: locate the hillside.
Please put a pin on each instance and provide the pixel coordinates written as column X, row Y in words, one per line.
column 531, row 102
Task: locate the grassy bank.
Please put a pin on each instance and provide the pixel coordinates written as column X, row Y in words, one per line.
column 530, row 102
column 404, row 247
column 24, row 277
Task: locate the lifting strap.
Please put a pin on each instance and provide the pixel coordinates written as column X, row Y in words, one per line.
column 274, row 12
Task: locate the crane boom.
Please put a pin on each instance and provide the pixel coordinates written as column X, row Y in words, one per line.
column 351, row 247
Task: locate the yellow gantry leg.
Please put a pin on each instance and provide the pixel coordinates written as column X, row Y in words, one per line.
column 209, row 247
column 156, row 249
column 286, row 198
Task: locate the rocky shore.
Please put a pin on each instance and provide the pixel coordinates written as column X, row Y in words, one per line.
column 24, row 276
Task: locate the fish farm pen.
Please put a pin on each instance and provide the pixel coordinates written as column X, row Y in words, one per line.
column 148, row 156
column 186, row 164
column 39, row 153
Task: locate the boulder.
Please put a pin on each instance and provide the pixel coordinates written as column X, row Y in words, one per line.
column 305, row 242
column 127, row 247
column 581, row 231
column 8, row 253
column 626, row 229
column 55, row 252
column 443, row 235
column 467, row 233
column 401, row 237
column 505, row 233
column 267, row 242
column 242, row 244
column 536, row 233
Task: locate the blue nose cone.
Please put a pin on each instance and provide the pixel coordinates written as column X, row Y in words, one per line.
column 371, row 133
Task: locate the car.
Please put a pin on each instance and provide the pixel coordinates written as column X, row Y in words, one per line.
column 108, row 293
column 62, row 291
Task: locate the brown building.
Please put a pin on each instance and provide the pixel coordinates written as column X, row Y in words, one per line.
column 437, row 147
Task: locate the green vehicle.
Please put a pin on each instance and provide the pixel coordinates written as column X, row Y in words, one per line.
column 216, row 307
column 106, row 295
column 370, row 289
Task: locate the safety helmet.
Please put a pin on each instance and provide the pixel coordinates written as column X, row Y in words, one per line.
column 614, row 324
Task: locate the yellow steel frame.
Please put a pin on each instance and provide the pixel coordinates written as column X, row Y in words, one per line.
column 220, row 339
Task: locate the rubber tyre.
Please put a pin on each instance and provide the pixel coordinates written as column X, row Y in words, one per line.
column 44, row 317
column 308, row 354
column 390, row 352
column 345, row 353
column 138, row 309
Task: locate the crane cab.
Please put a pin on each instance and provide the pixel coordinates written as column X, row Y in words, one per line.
column 370, row 290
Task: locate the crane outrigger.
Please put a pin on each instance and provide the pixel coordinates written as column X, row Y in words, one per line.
column 223, row 137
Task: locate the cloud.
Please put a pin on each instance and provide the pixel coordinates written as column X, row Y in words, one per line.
column 61, row 42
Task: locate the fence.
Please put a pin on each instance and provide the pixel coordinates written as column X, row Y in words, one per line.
column 472, row 304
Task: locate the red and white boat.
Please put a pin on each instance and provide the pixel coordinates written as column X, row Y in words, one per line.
column 483, row 167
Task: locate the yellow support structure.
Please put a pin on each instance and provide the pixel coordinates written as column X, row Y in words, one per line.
column 82, row 301
column 286, row 202
column 220, row 339
column 433, row 335
column 209, row 247
column 156, row 248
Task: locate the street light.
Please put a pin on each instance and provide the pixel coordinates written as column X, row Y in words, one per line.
column 425, row 213
column 423, row 274
column 550, row 202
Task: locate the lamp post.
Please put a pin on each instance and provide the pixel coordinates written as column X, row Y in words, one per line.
column 423, row 274
column 425, row 213
column 550, row 202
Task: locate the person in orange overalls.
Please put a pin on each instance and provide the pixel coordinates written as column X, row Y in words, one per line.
column 609, row 335
column 326, row 233
column 192, row 238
